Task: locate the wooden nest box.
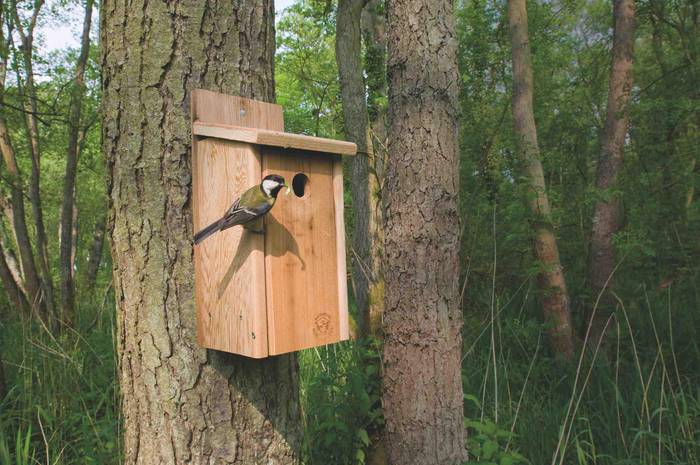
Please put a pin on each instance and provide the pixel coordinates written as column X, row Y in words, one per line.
column 266, row 294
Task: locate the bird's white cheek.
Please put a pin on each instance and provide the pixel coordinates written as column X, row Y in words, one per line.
column 268, row 185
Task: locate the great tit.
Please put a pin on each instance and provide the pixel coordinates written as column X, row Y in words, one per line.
column 248, row 209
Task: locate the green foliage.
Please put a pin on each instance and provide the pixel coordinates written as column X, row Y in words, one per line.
column 306, row 74
column 340, row 393
column 63, row 405
column 487, row 442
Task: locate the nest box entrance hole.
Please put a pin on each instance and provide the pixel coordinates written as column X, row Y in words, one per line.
column 300, row 184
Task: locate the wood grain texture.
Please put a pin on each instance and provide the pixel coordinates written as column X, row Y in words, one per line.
column 274, row 138
column 301, row 260
column 339, row 206
column 229, row 266
column 213, row 107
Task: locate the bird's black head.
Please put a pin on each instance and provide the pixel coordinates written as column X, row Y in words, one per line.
column 272, row 184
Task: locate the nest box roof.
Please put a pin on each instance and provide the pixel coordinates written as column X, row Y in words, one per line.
column 273, row 138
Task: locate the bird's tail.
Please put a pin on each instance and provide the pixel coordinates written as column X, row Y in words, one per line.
column 208, row 231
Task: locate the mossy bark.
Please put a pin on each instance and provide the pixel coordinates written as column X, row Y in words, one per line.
column 366, row 241
column 181, row 404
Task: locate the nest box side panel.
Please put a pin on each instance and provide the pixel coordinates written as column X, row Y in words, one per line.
column 301, row 260
column 339, row 198
column 229, row 265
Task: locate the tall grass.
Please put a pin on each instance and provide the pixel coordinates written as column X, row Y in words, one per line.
column 639, row 406
column 62, row 403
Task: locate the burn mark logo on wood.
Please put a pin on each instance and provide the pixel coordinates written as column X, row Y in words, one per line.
column 322, row 324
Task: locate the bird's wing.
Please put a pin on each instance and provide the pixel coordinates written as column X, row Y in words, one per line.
column 238, row 214
column 244, row 215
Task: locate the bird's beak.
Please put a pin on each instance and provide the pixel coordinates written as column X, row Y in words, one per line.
column 288, row 189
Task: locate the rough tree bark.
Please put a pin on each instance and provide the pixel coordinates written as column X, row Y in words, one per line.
column 68, row 209
column 29, row 99
column 181, row 404
column 552, row 285
column 422, row 391
column 606, row 218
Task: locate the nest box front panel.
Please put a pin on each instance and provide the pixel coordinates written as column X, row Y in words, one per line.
column 305, row 300
column 229, row 265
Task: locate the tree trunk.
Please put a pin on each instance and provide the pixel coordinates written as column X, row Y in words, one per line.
column 374, row 32
column 95, row 254
column 29, row 99
column 69, row 188
column 368, row 285
column 3, row 382
column 12, row 289
column 606, row 219
column 422, row 391
column 13, row 266
column 553, row 294
column 74, row 240
column 19, row 224
column 365, row 270
column 182, row 404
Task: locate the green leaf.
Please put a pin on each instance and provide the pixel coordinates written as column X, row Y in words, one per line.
column 489, row 449
column 363, row 436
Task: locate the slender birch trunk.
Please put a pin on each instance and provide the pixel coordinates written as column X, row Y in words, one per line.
column 68, row 221
column 554, row 296
column 607, row 215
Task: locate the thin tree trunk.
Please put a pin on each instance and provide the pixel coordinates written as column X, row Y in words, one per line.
column 367, row 278
column 181, row 404
column 66, row 254
column 17, row 220
column 12, row 290
column 553, row 293
column 606, row 218
column 13, row 266
column 694, row 173
column 74, row 240
column 349, row 58
column 29, row 98
column 422, row 389
column 3, row 381
column 95, row 254
column 373, row 25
